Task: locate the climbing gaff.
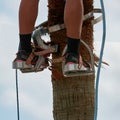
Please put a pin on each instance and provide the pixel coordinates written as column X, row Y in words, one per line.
column 74, row 69
column 38, row 59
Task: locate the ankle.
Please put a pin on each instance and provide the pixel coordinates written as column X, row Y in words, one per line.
column 25, row 43
column 73, row 45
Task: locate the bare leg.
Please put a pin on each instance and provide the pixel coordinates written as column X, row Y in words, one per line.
column 28, row 11
column 73, row 16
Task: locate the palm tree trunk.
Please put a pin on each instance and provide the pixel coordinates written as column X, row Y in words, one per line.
column 73, row 98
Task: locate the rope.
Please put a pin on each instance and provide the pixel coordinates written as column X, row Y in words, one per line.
column 17, row 95
column 100, row 60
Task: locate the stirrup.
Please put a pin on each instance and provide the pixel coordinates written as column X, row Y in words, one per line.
column 40, row 54
column 74, row 69
column 21, row 65
column 39, row 66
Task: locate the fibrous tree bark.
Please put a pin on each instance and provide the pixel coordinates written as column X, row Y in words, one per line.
column 73, row 97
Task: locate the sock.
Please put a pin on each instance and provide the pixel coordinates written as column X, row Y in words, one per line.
column 73, row 46
column 25, row 43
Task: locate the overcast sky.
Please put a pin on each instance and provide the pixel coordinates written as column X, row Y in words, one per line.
column 35, row 89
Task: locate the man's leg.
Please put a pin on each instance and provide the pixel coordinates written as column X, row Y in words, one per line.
column 28, row 11
column 73, row 17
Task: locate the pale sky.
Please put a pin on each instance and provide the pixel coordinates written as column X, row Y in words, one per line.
column 35, row 89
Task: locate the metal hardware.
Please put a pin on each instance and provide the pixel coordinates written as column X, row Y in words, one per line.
column 70, row 70
column 40, row 54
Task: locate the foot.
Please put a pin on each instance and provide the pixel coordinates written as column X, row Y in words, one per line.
column 20, row 60
column 22, row 56
column 75, row 63
column 71, row 58
column 37, row 63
